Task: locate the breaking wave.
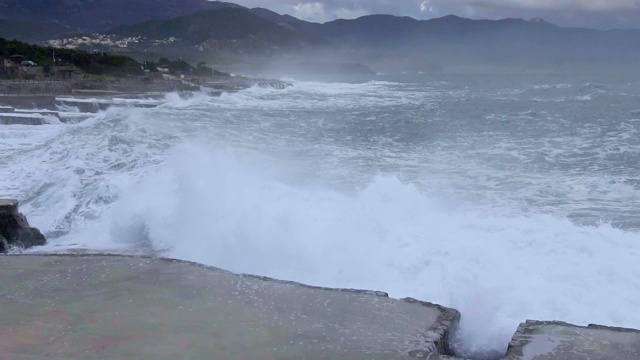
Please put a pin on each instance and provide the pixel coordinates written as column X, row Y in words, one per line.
column 263, row 182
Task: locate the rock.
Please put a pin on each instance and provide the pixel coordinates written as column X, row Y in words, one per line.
column 15, row 229
column 555, row 340
column 4, row 246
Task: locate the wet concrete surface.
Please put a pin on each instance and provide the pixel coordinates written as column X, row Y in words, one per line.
column 552, row 340
column 113, row 307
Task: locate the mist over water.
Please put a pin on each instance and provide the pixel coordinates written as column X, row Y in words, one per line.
column 507, row 198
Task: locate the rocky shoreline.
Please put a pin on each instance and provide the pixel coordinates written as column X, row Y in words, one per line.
column 15, row 230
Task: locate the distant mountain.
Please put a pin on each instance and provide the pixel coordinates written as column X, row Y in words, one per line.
column 457, row 40
column 382, row 41
column 369, row 31
column 30, row 31
column 227, row 29
column 94, row 15
column 288, row 21
column 387, row 30
column 530, row 42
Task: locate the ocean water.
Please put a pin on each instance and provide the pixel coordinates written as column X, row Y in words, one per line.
column 506, row 197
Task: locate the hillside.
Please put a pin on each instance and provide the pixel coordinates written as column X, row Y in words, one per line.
column 97, row 64
column 200, row 28
column 92, row 15
column 455, row 40
column 288, row 21
column 30, row 31
column 229, row 29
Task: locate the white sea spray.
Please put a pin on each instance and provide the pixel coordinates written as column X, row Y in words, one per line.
column 447, row 190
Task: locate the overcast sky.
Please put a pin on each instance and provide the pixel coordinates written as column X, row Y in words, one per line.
column 585, row 13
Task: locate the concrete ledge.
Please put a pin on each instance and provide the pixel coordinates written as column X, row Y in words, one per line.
column 97, row 306
column 554, row 340
column 23, row 119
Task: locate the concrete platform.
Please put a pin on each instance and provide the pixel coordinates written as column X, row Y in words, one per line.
column 24, row 119
column 552, row 340
column 112, row 307
column 28, row 101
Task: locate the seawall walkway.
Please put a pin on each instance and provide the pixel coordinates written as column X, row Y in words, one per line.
column 115, row 307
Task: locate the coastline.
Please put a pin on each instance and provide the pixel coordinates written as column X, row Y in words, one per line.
column 29, row 102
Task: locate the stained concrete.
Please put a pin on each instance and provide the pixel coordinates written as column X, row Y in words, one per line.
column 112, row 307
column 552, row 340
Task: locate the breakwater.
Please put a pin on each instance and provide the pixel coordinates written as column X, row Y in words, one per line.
column 132, row 85
column 38, row 102
column 68, row 87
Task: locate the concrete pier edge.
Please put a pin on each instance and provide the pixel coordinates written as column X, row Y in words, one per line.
column 441, row 334
column 429, row 342
column 533, row 340
column 559, row 340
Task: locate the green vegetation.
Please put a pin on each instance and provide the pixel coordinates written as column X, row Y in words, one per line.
column 97, row 63
column 174, row 65
column 182, row 67
column 231, row 30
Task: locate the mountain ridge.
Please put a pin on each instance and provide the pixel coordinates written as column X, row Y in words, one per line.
column 221, row 29
column 373, row 39
column 91, row 15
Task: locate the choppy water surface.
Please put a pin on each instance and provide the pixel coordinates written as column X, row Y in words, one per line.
column 506, row 197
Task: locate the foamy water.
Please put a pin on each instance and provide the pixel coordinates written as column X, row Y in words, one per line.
column 507, row 199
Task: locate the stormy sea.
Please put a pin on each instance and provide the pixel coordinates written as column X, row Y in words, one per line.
column 506, row 197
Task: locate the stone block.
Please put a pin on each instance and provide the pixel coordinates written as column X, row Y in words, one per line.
column 15, row 229
column 553, row 340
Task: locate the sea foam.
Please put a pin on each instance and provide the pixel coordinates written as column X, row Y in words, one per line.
column 383, row 186
column 221, row 208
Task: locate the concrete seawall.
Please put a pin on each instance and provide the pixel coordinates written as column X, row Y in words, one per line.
column 116, row 307
column 38, row 102
column 67, row 87
column 112, row 307
column 134, row 85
